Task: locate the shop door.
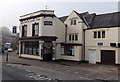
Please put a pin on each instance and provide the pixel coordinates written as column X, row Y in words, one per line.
column 47, row 51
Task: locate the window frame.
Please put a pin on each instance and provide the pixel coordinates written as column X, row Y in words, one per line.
column 103, row 34
column 35, row 32
column 24, row 31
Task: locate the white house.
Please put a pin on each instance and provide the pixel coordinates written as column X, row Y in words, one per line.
column 78, row 37
column 102, row 41
column 41, row 33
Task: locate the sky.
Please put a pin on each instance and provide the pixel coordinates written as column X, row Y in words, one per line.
column 11, row 10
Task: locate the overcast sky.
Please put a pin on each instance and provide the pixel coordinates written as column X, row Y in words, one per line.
column 11, row 10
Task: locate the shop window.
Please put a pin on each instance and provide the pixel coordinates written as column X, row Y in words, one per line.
column 67, row 50
column 31, row 48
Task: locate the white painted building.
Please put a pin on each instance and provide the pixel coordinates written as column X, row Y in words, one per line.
column 78, row 37
column 41, row 33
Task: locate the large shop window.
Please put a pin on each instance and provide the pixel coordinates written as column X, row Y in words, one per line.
column 67, row 50
column 35, row 28
column 31, row 48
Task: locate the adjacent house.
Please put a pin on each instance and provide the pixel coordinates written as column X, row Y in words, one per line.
column 102, row 38
column 78, row 36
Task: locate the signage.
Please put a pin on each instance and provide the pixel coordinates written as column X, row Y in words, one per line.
column 100, row 44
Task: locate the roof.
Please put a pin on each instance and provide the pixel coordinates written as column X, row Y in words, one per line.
column 63, row 18
column 98, row 21
column 103, row 20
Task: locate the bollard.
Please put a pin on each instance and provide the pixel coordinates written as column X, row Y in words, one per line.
column 7, row 57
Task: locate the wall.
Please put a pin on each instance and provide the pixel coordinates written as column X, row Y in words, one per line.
column 91, row 43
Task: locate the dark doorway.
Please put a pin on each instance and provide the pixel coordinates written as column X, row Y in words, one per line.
column 108, row 57
column 47, row 51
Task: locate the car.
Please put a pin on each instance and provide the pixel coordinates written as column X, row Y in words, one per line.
column 10, row 50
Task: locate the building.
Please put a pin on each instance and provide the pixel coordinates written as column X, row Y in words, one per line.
column 102, row 39
column 41, row 33
column 78, row 37
column 73, row 48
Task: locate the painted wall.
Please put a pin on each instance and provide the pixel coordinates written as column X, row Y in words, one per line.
column 75, row 29
column 92, row 43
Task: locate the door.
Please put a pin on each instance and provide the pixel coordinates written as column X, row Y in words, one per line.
column 92, row 56
column 108, row 57
column 47, row 51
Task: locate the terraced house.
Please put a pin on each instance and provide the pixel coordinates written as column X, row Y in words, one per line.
column 78, row 37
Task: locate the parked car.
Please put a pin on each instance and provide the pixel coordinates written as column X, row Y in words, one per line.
column 10, row 50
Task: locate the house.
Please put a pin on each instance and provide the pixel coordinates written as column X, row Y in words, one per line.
column 73, row 48
column 78, row 37
column 41, row 33
column 102, row 38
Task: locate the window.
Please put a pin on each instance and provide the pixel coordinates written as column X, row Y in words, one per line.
column 76, row 37
column 73, row 37
column 31, row 48
column 24, row 31
column 95, row 34
column 103, row 34
column 69, row 37
column 48, row 23
column 67, row 50
column 73, row 22
column 99, row 34
column 35, row 29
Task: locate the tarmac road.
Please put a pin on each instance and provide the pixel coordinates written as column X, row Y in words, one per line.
column 13, row 73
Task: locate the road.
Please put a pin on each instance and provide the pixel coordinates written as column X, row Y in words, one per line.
column 40, row 70
column 13, row 73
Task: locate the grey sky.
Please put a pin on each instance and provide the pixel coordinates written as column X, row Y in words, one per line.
column 10, row 11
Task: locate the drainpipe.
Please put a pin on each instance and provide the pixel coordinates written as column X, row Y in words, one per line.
column 65, row 33
column 84, row 44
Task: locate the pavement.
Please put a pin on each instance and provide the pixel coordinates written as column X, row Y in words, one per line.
column 77, row 69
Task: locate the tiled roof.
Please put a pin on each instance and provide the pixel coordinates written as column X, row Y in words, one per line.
column 103, row 20
column 63, row 18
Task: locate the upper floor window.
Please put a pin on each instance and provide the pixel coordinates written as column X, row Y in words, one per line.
column 73, row 37
column 95, row 34
column 103, row 34
column 48, row 23
column 76, row 37
column 35, row 29
column 24, row 31
column 73, row 22
column 99, row 34
column 69, row 37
